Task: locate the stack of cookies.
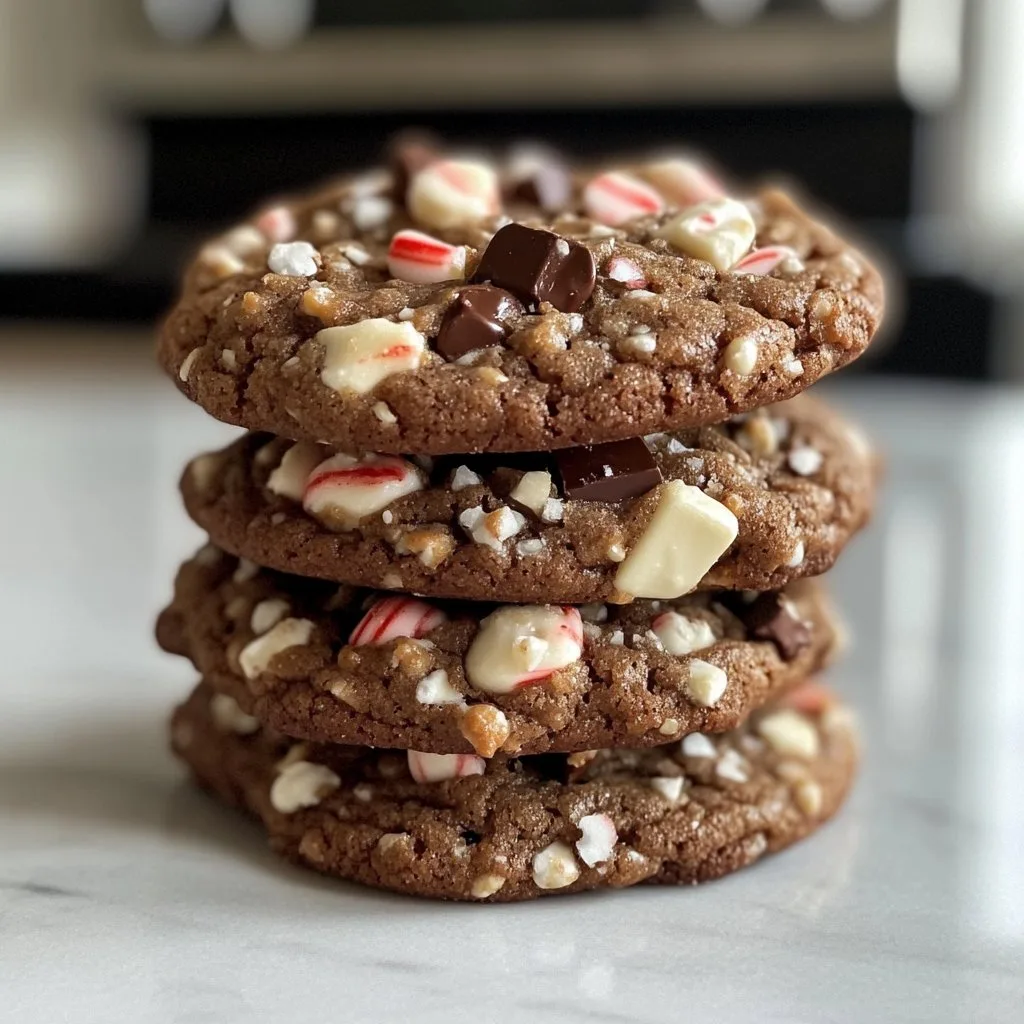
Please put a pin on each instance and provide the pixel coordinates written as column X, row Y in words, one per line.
column 510, row 586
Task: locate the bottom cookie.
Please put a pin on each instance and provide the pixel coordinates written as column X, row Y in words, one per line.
column 457, row 827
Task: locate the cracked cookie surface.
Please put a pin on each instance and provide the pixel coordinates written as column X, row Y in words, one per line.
column 339, row 665
column 520, row 828
column 799, row 480
column 668, row 342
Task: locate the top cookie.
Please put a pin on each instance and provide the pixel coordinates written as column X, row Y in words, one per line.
column 451, row 305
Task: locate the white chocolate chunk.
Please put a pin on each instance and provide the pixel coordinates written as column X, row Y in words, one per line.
column 289, row 479
column 687, row 534
column 229, row 717
column 719, row 231
column 533, row 490
column 519, row 644
column 486, row 885
column 293, row 259
column 555, row 867
column 257, row 654
column 790, row 734
column 669, row 786
column 732, row 766
column 706, row 683
column 597, row 843
column 302, row 784
column 186, row 365
column 809, row 797
column 358, row 357
column 453, row 194
column 268, row 614
column 680, row 635
column 740, row 355
column 435, row 688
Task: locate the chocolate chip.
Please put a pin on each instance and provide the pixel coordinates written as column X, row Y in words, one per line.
column 538, row 266
column 476, row 319
column 408, row 153
column 607, row 472
column 771, row 617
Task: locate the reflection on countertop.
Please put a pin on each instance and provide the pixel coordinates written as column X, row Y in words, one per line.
column 122, row 890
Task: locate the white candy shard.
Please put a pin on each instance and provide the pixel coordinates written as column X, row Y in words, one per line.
column 395, row 616
column 464, row 477
column 492, row 528
column 422, row 259
column 358, row 357
column 521, row 644
column 790, row 733
column 289, row 479
column 256, row 656
column 555, row 867
column 698, row 745
column 732, row 766
column 597, row 843
column 435, row 688
column 720, row 231
column 680, row 635
column 683, row 182
column 302, row 784
column 343, row 489
column 293, row 259
column 453, row 194
column 687, row 534
column 626, row 272
column 426, row 767
column 804, row 460
column 370, row 211
column 229, row 717
column 533, row 490
column 614, row 198
column 706, row 683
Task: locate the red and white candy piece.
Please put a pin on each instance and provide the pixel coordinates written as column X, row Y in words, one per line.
column 421, row 259
column 720, row 231
column 626, row 272
column 395, row 616
column 453, row 193
column 810, row 698
column 278, row 224
column 764, row 261
column 344, row 489
column 614, row 198
column 358, row 357
column 683, row 182
column 522, row 644
column 438, row 767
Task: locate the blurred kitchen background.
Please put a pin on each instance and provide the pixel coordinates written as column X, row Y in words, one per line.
column 131, row 128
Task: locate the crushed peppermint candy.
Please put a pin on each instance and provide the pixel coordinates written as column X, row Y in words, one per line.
column 293, row 259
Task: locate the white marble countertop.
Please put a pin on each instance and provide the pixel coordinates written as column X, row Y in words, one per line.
column 127, row 896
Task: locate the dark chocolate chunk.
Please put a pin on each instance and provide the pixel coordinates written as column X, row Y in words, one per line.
column 477, row 318
column 771, row 617
column 607, row 472
column 538, row 266
column 408, row 153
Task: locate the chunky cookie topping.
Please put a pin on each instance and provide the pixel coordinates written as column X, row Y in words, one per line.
column 515, row 307
column 457, row 678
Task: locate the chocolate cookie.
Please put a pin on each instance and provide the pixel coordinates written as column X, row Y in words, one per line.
column 764, row 499
column 455, row 827
column 345, row 666
column 646, row 301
